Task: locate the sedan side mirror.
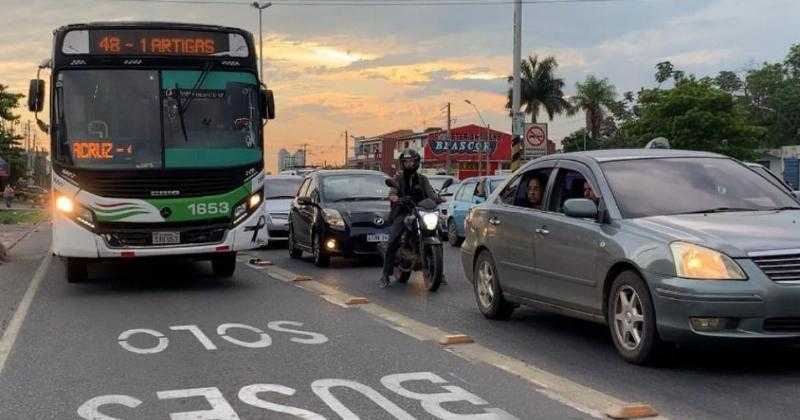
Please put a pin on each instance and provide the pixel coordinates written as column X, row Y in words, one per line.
column 582, row 208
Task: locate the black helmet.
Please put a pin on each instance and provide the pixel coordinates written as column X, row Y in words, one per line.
column 409, row 155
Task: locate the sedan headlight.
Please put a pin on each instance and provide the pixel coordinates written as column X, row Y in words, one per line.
column 700, row 263
column 334, row 219
column 431, row 220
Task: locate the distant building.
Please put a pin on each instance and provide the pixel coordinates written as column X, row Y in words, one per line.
column 300, row 158
column 283, row 157
column 288, row 161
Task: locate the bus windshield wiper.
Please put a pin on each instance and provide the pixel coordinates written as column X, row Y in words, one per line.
column 183, row 107
column 785, row 208
column 719, row 210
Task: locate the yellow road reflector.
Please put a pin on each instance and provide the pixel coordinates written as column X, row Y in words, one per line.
column 631, row 411
column 356, row 301
column 455, row 339
column 302, row 278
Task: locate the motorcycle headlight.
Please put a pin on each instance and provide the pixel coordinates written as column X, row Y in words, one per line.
column 700, row 263
column 431, row 220
column 334, row 219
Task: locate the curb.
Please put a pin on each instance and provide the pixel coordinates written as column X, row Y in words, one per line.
column 25, row 235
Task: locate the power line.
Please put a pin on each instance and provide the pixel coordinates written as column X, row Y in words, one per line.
column 382, row 3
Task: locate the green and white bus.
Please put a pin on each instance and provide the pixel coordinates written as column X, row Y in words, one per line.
column 156, row 141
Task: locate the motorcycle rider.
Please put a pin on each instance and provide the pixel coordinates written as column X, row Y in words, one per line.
column 411, row 186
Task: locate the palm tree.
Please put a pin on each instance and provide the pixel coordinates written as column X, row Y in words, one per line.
column 541, row 89
column 595, row 97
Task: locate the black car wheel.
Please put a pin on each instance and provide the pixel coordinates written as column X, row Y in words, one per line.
column 321, row 259
column 488, row 293
column 77, row 270
column 294, row 251
column 224, row 266
column 632, row 319
column 452, row 234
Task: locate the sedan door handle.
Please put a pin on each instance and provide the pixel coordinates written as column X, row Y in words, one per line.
column 494, row 221
column 543, row 230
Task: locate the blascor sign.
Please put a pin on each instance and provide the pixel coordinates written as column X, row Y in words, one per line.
column 535, row 140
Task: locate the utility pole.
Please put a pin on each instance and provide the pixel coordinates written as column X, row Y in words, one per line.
column 346, row 138
column 260, row 7
column 516, row 96
column 449, row 140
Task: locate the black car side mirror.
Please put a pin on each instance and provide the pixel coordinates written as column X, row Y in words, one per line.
column 391, row 183
column 305, row 201
column 448, row 182
column 582, row 208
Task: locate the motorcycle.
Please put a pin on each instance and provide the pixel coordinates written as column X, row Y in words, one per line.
column 420, row 246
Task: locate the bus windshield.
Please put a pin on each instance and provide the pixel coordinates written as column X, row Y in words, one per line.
column 113, row 119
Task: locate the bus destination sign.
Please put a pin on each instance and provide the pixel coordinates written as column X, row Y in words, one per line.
column 157, row 42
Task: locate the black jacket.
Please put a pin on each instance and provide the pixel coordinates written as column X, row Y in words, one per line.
column 418, row 188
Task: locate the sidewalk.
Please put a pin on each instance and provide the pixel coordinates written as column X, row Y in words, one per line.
column 10, row 235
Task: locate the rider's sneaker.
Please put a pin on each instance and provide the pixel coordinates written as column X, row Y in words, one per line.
column 383, row 282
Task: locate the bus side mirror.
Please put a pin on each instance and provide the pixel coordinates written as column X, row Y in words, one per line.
column 267, row 103
column 36, row 96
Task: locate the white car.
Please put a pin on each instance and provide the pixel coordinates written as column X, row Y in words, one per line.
column 279, row 191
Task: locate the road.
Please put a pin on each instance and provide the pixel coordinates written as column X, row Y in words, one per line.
column 695, row 383
column 157, row 341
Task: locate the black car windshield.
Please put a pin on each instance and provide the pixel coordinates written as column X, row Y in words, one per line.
column 354, row 188
column 656, row 187
column 281, row 187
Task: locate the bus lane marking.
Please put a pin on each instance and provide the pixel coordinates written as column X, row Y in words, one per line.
column 15, row 324
column 572, row 394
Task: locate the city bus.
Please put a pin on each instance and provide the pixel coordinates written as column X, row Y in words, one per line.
column 156, row 143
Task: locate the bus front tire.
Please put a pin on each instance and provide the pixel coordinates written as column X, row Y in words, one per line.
column 77, row 270
column 224, row 266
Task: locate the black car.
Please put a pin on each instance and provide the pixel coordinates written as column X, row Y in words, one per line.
column 339, row 213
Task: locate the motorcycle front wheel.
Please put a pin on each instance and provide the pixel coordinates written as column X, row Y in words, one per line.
column 433, row 268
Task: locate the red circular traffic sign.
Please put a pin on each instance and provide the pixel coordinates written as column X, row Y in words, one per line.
column 535, row 136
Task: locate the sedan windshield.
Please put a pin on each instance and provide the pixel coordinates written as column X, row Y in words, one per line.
column 281, row 187
column 656, row 187
column 354, row 188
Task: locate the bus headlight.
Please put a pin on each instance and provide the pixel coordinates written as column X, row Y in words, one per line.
column 246, row 207
column 254, row 200
column 431, row 220
column 64, row 204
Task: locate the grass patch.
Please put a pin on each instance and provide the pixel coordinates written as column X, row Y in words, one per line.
column 14, row 217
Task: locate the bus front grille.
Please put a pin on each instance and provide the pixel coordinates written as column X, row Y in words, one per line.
column 160, row 184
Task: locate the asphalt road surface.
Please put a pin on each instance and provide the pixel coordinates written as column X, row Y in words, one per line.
column 733, row 382
column 158, row 341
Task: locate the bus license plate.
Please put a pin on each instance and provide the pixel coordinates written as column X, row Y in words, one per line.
column 377, row 237
column 166, row 238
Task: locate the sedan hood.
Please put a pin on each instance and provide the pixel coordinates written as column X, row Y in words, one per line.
column 279, row 205
column 734, row 233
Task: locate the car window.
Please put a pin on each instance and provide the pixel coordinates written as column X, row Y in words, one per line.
column 466, row 192
column 571, row 184
column 303, row 191
column 480, row 189
column 656, row 187
column 496, row 183
column 509, row 194
column 281, row 187
column 526, row 189
column 355, row 187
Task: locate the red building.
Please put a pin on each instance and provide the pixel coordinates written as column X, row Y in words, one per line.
column 468, row 149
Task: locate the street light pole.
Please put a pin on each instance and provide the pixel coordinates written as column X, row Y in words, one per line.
column 477, row 111
column 516, row 96
column 260, row 7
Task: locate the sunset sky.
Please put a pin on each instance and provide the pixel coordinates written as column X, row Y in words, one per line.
column 372, row 69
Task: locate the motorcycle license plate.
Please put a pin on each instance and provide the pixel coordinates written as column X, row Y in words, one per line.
column 377, row 237
column 166, row 238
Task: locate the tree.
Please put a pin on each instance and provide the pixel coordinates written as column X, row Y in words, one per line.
column 595, row 97
column 10, row 149
column 664, row 71
column 694, row 115
column 728, row 81
column 541, row 89
column 792, row 61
